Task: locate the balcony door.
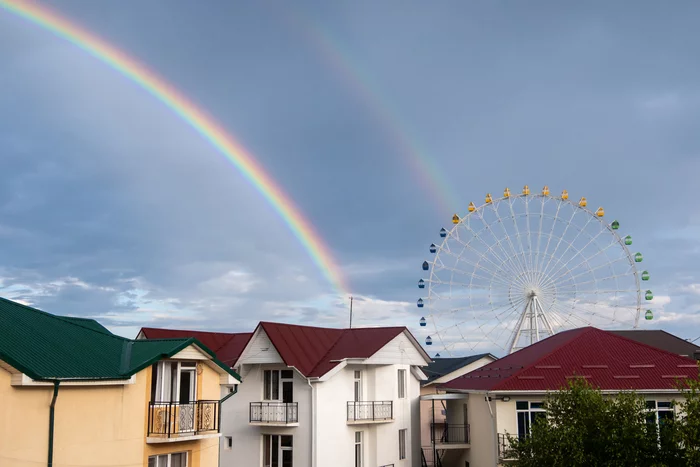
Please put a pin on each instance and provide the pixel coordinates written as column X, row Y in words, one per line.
column 173, row 388
column 277, row 451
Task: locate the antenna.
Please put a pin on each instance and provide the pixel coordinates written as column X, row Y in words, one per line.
column 350, row 312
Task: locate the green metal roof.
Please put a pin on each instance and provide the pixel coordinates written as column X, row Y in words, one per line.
column 50, row 347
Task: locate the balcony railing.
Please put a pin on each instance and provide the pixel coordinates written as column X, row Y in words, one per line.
column 503, row 447
column 274, row 412
column 447, row 433
column 175, row 419
column 370, row 411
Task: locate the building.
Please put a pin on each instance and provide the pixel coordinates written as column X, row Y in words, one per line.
column 72, row 393
column 432, row 415
column 662, row 340
column 505, row 396
column 318, row 397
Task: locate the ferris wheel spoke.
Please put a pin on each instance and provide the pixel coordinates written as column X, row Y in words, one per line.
column 517, row 233
column 512, row 269
column 500, row 272
column 529, row 236
column 521, row 268
column 579, row 249
column 539, row 236
column 621, row 259
column 556, row 248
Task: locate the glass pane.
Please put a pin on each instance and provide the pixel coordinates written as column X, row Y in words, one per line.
column 358, row 455
column 177, row 459
column 266, row 384
column 267, row 442
column 535, row 415
column 664, row 405
column 173, row 382
column 286, row 458
column 536, row 405
column 651, row 405
column 154, row 380
column 287, row 394
column 523, row 424
column 152, row 461
column 521, row 405
column 275, row 450
column 357, row 391
column 286, row 441
column 357, row 374
column 185, row 380
column 288, row 374
column 275, row 385
column 358, row 436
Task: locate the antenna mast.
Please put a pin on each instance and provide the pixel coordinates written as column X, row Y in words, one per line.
column 351, row 312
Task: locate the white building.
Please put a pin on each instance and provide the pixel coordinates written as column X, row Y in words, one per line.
column 505, row 397
column 320, row 397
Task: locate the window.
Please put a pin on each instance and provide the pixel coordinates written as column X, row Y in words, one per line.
column 358, row 386
column 402, row 384
column 402, row 444
column 527, row 413
column 358, row 449
column 228, row 443
column 658, row 414
column 278, row 385
column 175, row 459
column 174, row 381
column 277, row 451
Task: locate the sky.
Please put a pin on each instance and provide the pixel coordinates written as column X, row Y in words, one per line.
column 379, row 119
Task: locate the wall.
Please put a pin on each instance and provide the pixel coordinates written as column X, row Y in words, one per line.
column 94, row 425
column 247, row 439
column 336, row 439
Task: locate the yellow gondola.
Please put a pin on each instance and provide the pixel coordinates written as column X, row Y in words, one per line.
column 545, row 191
column 506, row 193
column 526, row 190
column 488, row 197
column 600, row 212
column 582, row 202
column 471, row 207
column 455, row 219
column 564, row 194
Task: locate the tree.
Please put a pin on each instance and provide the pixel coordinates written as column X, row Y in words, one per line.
column 585, row 428
column 684, row 432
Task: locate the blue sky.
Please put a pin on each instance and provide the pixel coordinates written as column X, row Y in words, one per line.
column 111, row 207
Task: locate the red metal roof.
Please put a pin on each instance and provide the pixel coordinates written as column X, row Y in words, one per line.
column 227, row 346
column 312, row 349
column 606, row 360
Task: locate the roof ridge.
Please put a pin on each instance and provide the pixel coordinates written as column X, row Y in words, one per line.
column 62, row 318
column 556, row 348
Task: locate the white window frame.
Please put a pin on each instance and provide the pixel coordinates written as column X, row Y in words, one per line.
column 357, row 387
column 529, row 411
column 280, row 449
column 159, row 458
column 358, row 443
column 402, row 443
column 278, row 397
column 165, row 387
column 402, row 383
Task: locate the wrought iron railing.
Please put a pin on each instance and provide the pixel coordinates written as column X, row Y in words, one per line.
column 447, row 433
column 274, row 412
column 170, row 419
column 503, row 446
column 370, row 410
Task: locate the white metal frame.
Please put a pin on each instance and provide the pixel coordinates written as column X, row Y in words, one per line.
column 168, row 457
column 161, row 387
column 523, row 267
column 362, row 449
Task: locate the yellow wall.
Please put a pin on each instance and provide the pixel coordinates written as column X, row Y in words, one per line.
column 94, row 425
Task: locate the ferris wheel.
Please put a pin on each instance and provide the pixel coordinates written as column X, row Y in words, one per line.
column 522, row 267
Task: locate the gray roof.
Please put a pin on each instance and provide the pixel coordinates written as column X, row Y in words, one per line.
column 440, row 367
column 661, row 340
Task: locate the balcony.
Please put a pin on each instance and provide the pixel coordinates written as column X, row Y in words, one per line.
column 504, row 454
column 274, row 413
column 174, row 421
column 449, row 436
column 364, row 412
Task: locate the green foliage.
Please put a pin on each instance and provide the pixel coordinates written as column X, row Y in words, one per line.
column 583, row 427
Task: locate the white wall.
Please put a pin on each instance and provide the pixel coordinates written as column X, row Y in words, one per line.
column 247, row 439
column 336, row 439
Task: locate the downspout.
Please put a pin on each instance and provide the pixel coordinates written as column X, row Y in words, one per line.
column 51, row 420
column 313, row 423
column 494, row 431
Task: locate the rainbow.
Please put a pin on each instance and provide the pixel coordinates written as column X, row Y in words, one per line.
column 426, row 171
column 197, row 118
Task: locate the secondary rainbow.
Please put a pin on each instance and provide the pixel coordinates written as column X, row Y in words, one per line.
column 427, row 173
column 197, row 119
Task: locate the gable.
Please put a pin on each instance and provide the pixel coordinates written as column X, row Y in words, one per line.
column 399, row 350
column 259, row 350
column 191, row 352
column 463, row 370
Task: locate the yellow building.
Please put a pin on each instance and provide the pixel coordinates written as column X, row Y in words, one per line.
column 73, row 394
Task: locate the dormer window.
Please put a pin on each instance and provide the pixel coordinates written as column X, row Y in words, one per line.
column 174, row 381
column 278, row 385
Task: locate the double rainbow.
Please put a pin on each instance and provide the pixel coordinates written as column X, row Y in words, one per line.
column 197, row 118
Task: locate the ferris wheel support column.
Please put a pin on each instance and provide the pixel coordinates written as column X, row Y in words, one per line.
column 533, row 312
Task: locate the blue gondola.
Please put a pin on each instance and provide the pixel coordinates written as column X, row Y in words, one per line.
column 437, row 355
column 443, row 232
column 422, row 321
column 428, row 341
column 421, row 284
column 425, row 266
column 420, row 303
column 433, row 248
